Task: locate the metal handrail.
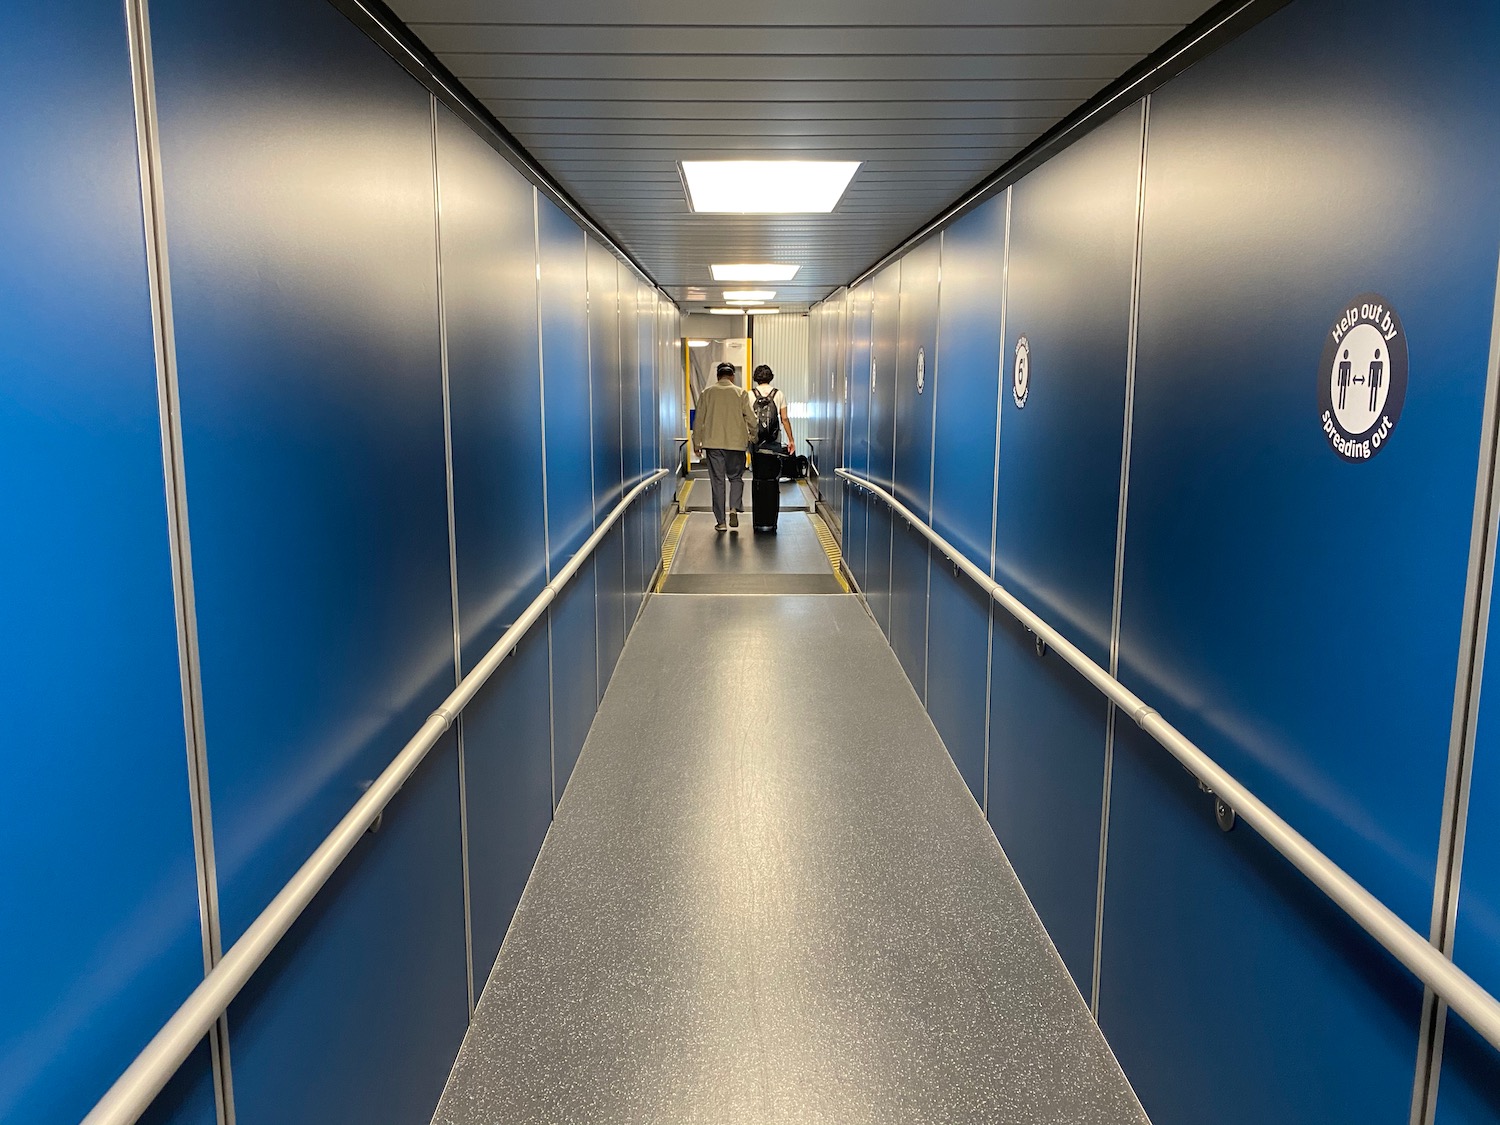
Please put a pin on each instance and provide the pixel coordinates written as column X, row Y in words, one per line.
column 1451, row 984
column 133, row 1092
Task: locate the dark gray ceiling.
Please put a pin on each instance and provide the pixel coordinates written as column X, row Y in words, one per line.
column 931, row 94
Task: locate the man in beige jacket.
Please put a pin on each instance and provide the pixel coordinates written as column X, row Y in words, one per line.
column 723, row 428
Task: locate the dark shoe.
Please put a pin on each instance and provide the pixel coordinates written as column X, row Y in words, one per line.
column 734, row 518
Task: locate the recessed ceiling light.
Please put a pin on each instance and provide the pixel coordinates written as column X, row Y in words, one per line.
column 697, row 343
column 744, row 302
column 754, row 271
column 728, row 312
column 749, row 294
column 766, row 187
column 761, row 312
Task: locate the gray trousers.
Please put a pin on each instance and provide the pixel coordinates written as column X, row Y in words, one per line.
column 726, row 467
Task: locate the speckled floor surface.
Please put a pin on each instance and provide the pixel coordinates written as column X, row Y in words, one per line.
column 706, row 554
column 735, row 924
column 794, row 496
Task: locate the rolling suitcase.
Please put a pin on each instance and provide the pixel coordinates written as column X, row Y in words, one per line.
column 765, row 489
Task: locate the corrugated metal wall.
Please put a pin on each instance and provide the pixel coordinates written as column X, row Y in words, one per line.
column 781, row 341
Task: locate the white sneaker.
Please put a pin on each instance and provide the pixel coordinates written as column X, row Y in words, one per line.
column 720, row 527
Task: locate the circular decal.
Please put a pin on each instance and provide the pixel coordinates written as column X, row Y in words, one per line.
column 1362, row 378
column 921, row 369
column 1020, row 381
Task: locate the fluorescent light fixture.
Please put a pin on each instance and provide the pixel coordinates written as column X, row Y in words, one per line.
column 754, row 271
column 728, row 312
column 766, row 187
column 749, row 294
column 697, row 343
column 744, row 302
column 762, row 312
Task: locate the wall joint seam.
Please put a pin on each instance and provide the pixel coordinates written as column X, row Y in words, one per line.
column 588, row 347
column 1466, row 703
column 932, row 377
column 541, row 379
column 174, row 473
column 458, row 670
column 989, row 647
column 1128, row 429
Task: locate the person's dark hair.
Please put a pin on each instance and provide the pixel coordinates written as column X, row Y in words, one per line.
column 724, row 371
column 763, row 374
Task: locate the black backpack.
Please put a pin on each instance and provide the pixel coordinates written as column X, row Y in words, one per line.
column 768, row 419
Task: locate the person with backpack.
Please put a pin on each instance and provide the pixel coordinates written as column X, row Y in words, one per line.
column 770, row 412
column 766, row 459
column 723, row 427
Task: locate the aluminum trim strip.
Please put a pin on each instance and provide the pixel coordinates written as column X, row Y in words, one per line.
column 1471, row 653
column 1119, row 586
column 169, row 405
column 989, row 642
column 458, row 666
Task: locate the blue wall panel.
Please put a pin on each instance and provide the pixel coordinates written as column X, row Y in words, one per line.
column 839, row 408
column 1469, row 1086
column 632, row 527
column 1265, row 1002
column 299, row 183
column 917, row 331
column 494, row 384
column 669, row 391
column 1297, row 614
column 651, row 503
column 575, row 686
column 508, row 776
column 565, row 362
column 570, row 486
column 358, row 1014
column 967, row 379
column 99, row 927
column 307, row 332
column 490, row 306
column 912, row 454
column 964, row 388
column 609, row 580
column 885, row 321
column 956, row 670
column 857, row 453
column 606, row 378
column 1071, row 261
column 606, row 375
column 1046, row 774
column 1246, row 529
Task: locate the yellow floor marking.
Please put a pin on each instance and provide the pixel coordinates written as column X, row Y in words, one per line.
column 669, row 546
column 830, row 548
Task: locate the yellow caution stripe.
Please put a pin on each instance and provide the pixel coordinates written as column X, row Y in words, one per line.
column 830, row 548
column 669, row 547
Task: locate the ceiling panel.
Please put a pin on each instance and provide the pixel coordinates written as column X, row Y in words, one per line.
column 609, row 97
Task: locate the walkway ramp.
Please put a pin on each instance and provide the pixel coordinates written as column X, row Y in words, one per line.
column 769, row 899
column 792, row 561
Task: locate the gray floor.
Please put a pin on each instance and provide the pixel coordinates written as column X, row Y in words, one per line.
column 791, row 561
column 775, row 907
column 794, row 497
